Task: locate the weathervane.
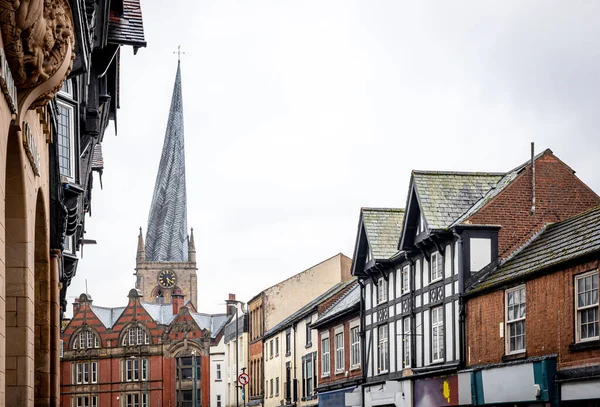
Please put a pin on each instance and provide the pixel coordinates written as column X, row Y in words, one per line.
column 178, row 53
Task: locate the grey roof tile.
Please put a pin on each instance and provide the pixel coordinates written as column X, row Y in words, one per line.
column 346, row 301
column 127, row 28
column 108, row 316
column 214, row 323
column 557, row 243
column 446, row 196
column 383, row 227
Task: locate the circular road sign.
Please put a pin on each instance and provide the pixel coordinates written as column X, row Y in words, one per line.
column 243, row 379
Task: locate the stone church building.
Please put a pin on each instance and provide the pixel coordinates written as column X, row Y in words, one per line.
column 156, row 349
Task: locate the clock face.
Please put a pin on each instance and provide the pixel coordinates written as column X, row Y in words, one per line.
column 167, row 278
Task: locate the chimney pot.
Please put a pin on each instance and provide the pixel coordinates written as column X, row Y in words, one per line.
column 177, row 302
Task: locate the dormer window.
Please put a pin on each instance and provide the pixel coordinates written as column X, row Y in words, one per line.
column 136, row 335
column 382, row 290
column 86, row 339
column 481, row 253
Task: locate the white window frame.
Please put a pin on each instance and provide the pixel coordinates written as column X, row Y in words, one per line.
column 218, row 400
column 60, row 348
column 94, row 372
column 277, row 386
column 338, row 340
column 437, row 273
column 382, row 290
column 406, row 343
column 132, row 400
column 277, row 346
column 135, row 370
column 69, row 106
column 584, row 308
column 383, row 349
column 325, row 355
column 354, row 346
column 437, row 334
column 513, row 321
column 219, row 374
column 405, row 280
column 85, row 401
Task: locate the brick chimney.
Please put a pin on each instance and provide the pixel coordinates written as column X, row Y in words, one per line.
column 177, row 301
column 230, row 310
column 75, row 305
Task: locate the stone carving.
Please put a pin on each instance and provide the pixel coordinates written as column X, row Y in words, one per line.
column 38, row 38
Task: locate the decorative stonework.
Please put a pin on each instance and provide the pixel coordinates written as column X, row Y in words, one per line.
column 38, row 39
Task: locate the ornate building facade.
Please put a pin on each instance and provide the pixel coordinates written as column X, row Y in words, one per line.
column 46, row 47
column 139, row 355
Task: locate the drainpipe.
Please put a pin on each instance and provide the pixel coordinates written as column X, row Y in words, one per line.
column 461, row 306
column 362, row 340
column 295, row 383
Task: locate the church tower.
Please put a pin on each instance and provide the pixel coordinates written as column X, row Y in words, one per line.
column 166, row 262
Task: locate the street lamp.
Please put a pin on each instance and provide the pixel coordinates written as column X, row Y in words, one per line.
column 235, row 303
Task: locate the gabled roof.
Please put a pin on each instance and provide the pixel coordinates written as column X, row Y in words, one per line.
column 213, row 322
column 308, row 308
column 128, row 28
column 383, row 227
column 108, row 316
column 556, row 244
column 160, row 313
column 347, row 302
column 445, row 196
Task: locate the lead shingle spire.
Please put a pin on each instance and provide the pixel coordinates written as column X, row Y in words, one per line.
column 166, row 238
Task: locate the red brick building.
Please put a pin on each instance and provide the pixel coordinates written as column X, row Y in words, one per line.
column 533, row 321
column 140, row 355
column 339, row 348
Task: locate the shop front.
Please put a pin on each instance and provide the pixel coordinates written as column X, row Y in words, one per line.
column 529, row 382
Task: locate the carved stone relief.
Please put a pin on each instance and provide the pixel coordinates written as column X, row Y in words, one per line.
column 38, row 40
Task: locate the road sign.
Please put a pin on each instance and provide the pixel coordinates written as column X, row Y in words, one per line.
column 243, row 379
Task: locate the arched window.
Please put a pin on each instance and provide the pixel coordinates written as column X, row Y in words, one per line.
column 86, row 338
column 135, row 335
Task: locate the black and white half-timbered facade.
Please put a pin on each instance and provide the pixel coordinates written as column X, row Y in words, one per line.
column 413, row 265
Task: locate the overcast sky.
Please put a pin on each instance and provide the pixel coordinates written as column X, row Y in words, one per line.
column 297, row 113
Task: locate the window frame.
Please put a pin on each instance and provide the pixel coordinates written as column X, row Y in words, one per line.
column 578, row 308
column 439, row 271
column 218, row 372
column 325, row 355
column 437, row 337
column 383, row 349
column 354, row 346
column 338, row 343
column 405, row 280
column 406, row 343
column 508, row 323
column 382, row 291
column 66, row 101
column 308, row 331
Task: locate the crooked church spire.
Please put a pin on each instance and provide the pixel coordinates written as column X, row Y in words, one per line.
column 166, row 238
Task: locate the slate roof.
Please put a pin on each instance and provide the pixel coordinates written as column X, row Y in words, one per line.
column 308, row 308
column 347, row 301
column 161, row 313
column 108, row 316
column 445, row 196
column 128, row 28
column 383, row 227
column 214, row 323
column 97, row 158
column 166, row 237
column 557, row 243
